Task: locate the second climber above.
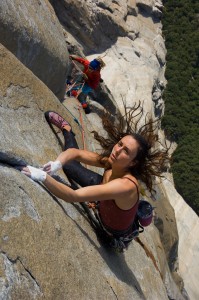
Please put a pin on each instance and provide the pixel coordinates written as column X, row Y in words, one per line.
column 91, row 74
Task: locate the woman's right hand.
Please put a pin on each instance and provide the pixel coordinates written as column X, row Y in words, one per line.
column 34, row 173
column 52, row 167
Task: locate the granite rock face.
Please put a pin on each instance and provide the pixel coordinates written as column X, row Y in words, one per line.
column 188, row 250
column 32, row 32
column 47, row 247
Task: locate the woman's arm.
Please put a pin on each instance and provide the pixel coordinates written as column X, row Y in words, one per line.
column 121, row 190
column 83, row 156
column 81, row 60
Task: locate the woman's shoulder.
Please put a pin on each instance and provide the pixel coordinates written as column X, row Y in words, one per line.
column 130, row 192
column 131, row 179
column 126, row 182
column 106, row 175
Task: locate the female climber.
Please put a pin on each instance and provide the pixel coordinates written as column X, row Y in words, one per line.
column 129, row 155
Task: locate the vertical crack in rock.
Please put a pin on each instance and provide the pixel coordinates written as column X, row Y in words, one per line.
column 11, row 160
column 112, row 290
column 14, row 276
column 31, row 275
column 150, row 255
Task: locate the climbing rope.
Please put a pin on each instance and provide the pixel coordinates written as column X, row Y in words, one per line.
column 74, row 118
column 78, row 86
column 82, row 126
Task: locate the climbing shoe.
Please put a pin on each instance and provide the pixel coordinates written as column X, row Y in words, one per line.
column 84, row 105
column 87, row 109
column 55, row 119
column 74, row 93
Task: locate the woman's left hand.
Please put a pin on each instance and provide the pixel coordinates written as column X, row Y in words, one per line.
column 34, row 173
column 52, row 167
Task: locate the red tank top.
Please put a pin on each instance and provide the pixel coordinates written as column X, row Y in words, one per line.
column 115, row 218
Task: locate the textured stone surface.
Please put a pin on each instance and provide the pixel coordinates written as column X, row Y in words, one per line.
column 188, row 229
column 135, row 66
column 94, row 23
column 48, row 249
column 31, row 31
column 166, row 224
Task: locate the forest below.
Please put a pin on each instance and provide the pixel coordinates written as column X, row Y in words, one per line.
column 181, row 96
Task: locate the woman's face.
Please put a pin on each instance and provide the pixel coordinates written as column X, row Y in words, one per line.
column 124, row 152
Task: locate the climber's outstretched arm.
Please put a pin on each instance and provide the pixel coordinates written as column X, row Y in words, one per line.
column 83, row 156
column 117, row 189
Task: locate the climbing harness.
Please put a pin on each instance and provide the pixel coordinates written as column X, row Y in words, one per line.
column 119, row 240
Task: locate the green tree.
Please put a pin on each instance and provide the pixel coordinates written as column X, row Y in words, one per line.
column 181, row 120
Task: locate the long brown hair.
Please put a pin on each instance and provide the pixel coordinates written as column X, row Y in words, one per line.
column 151, row 159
